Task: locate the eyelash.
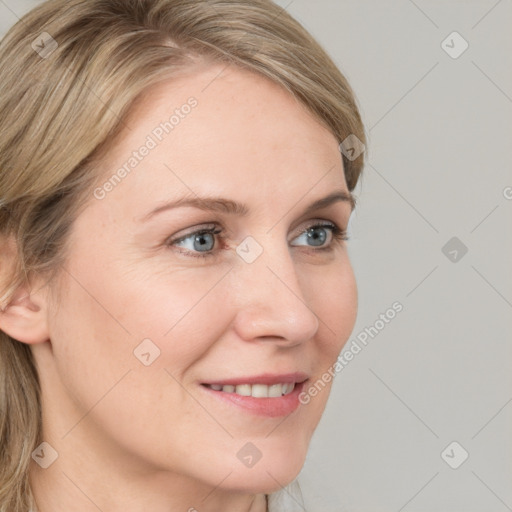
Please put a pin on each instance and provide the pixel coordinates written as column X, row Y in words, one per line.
column 338, row 235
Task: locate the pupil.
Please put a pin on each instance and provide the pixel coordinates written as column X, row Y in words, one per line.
column 317, row 237
column 203, row 243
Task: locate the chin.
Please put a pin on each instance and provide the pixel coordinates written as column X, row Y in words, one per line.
column 276, row 468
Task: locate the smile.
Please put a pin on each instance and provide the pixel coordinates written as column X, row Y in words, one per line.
column 255, row 390
column 268, row 395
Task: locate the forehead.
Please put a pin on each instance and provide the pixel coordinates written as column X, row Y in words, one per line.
column 219, row 129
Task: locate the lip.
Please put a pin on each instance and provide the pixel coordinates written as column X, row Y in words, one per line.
column 265, row 378
column 268, row 407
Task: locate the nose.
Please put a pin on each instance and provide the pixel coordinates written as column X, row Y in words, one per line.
column 271, row 304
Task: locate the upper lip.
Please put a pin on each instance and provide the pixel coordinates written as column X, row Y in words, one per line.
column 265, row 378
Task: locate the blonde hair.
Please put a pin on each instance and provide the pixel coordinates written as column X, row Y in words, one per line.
column 70, row 72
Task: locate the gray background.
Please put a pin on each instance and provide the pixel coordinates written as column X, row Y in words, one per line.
column 439, row 162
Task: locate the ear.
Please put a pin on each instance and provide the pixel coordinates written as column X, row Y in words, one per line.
column 25, row 317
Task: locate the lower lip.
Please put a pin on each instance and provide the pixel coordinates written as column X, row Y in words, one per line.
column 270, row 407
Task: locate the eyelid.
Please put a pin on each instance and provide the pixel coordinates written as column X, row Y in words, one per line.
column 316, row 223
column 338, row 234
column 212, row 225
column 192, row 231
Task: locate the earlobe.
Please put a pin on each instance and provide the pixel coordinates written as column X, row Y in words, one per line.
column 24, row 318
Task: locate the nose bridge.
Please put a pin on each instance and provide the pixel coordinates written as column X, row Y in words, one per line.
column 272, row 302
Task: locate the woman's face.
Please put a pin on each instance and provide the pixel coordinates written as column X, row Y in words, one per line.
column 150, row 311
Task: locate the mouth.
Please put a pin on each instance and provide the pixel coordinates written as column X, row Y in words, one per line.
column 264, row 395
column 255, row 390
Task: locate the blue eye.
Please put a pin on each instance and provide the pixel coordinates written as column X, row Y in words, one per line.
column 201, row 243
column 317, row 235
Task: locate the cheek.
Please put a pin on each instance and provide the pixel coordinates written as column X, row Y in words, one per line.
column 95, row 333
column 179, row 311
column 333, row 297
column 91, row 350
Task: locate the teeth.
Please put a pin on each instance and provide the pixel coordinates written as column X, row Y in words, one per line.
column 256, row 390
column 275, row 390
column 259, row 390
column 243, row 389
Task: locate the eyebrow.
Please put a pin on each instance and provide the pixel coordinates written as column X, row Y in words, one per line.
column 223, row 205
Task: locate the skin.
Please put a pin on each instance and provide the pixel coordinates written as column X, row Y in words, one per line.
column 132, row 437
